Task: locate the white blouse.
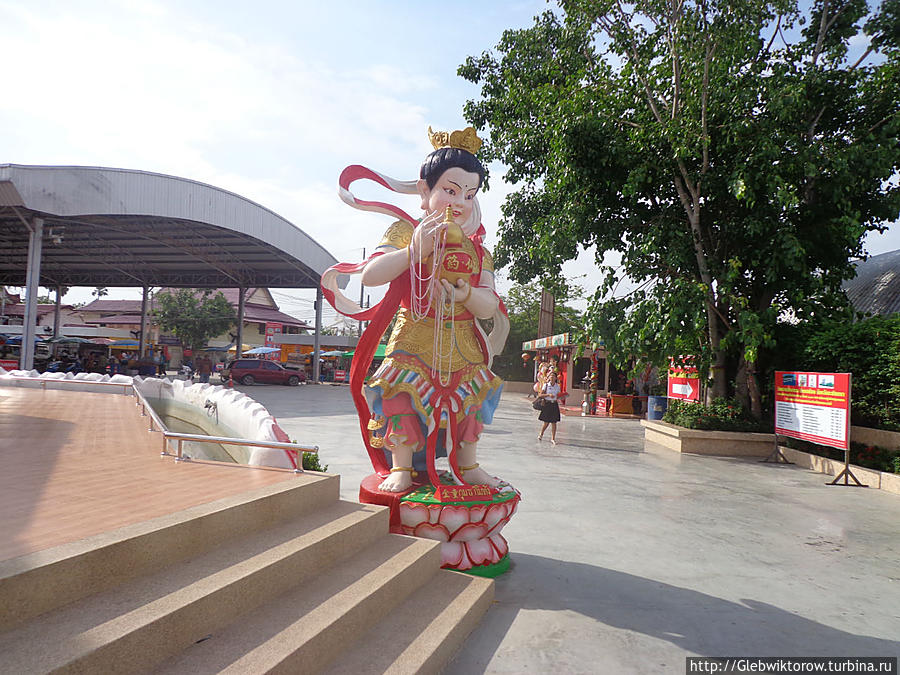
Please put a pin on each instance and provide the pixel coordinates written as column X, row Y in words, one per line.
column 551, row 391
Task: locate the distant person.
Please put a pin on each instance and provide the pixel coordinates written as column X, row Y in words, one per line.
column 204, row 368
column 541, row 378
column 550, row 410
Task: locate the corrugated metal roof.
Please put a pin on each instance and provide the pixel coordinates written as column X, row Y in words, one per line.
column 115, row 227
column 129, row 311
column 9, row 196
column 876, row 287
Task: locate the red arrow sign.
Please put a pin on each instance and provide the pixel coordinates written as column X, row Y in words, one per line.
column 684, row 388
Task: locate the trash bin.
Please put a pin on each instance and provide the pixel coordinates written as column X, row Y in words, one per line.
column 656, row 407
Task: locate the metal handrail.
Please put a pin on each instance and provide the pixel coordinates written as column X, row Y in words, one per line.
column 226, row 440
column 147, row 410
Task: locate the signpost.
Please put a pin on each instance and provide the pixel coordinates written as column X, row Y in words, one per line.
column 815, row 407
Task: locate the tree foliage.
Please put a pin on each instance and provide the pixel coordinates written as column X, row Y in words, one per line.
column 734, row 153
column 194, row 315
column 523, row 303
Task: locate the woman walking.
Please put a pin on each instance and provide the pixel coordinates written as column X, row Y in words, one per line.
column 550, row 409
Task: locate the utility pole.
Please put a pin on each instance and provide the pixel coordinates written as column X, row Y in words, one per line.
column 361, row 291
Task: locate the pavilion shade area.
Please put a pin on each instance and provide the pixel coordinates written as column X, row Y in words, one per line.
column 96, row 226
column 119, row 227
column 136, row 251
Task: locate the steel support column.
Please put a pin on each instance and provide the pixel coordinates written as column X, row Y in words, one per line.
column 56, row 312
column 142, row 341
column 315, row 354
column 239, row 347
column 32, row 278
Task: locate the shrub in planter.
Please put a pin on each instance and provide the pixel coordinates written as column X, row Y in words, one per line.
column 311, row 462
column 721, row 415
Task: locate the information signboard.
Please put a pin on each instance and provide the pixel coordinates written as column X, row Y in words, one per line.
column 272, row 329
column 813, row 407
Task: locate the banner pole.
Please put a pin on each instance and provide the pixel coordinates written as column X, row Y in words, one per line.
column 846, row 473
column 777, row 456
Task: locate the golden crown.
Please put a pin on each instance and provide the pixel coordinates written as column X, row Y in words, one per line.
column 465, row 139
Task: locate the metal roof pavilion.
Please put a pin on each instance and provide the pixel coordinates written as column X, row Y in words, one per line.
column 115, row 227
column 94, row 226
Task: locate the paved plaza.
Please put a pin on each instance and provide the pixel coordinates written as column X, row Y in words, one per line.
column 627, row 561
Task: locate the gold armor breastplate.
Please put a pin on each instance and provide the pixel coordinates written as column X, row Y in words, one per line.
column 460, row 345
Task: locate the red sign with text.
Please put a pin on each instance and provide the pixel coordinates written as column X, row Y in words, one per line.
column 683, row 382
column 813, row 407
column 272, row 329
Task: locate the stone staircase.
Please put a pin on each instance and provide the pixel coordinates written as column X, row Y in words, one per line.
column 286, row 578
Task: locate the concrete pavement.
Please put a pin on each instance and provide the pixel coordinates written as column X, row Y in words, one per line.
column 626, row 561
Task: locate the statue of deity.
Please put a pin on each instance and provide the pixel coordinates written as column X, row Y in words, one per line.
column 434, row 391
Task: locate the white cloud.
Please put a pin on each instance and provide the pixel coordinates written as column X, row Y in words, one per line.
column 187, row 90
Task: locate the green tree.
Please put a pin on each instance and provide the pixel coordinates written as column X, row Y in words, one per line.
column 100, row 291
column 523, row 303
column 194, row 315
column 733, row 153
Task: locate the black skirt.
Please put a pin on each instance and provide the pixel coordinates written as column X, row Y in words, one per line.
column 549, row 412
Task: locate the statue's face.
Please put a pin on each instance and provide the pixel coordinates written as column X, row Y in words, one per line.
column 455, row 188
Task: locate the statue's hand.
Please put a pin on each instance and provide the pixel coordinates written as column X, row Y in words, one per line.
column 459, row 293
column 424, row 235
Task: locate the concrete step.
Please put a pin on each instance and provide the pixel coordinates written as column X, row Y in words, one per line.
column 33, row 584
column 423, row 633
column 306, row 629
column 148, row 619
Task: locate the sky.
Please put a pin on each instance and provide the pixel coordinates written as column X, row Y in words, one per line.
column 270, row 100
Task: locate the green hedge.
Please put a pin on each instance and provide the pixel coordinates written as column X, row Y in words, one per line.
column 721, row 415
